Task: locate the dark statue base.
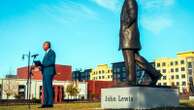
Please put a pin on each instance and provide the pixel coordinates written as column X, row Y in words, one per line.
column 139, row 97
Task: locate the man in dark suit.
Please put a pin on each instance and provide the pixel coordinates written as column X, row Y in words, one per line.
column 130, row 43
column 48, row 72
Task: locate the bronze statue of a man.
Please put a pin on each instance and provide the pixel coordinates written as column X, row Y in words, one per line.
column 130, row 44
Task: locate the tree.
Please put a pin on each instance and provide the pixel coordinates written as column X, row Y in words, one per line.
column 10, row 88
column 72, row 90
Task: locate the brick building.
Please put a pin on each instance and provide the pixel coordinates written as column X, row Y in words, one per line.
column 80, row 75
column 18, row 89
column 63, row 73
column 94, row 88
column 120, row 75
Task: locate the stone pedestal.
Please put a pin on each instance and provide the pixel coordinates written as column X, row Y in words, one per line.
column 139, row 97
column 191, row 98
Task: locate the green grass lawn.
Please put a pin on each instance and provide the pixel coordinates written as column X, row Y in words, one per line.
column 64, row 106
column 184, row 105
column 187, row 103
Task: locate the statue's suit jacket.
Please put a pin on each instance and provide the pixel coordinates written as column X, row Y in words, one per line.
column 129, row 33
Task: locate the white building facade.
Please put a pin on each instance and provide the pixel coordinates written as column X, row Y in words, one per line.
column 14, row 88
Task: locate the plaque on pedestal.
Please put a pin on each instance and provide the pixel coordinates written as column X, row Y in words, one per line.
column 139, row 97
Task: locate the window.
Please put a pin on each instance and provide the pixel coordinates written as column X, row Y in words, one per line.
column 114, row 76
column 159, row 71
column 40, row 93
column 99, row 72
column 190, row 71
column 177, row 76
column 165, row 84
column 183, row 76
column 21, row 91
column 190, row 79
column 158, row 64
column 163, row 64
column 176, row 62
column 159, row 84
column 173, row 84
column 115, row 70
column 177, row 70
column 182, row 69
column 102, row 71
column 164, row 77
column 189, row 65
column 102, row 77
column 172, row 70
column 124, row 74
column 172, row 77
column 99, row 77
column 183, row 83
column 171, row 63
column 182, row 62
column 177, row 83
column 123, row 69
column 164, row 70
column 118, row 69
column 118, row 75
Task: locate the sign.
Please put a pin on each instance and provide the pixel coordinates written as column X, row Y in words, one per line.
column 138, row 98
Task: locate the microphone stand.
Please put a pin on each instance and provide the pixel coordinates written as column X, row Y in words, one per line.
column 29, row 80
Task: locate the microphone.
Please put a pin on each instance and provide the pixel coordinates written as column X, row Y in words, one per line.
column 35, row 55
column 23, row 57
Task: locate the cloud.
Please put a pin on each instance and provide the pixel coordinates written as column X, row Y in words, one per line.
column 147, row 4
column 112, row 5
column 69, row 11
column 169, row 2
column 156, row 24
column 155, row 15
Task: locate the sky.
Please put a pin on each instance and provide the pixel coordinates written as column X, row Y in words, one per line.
column 85, row 33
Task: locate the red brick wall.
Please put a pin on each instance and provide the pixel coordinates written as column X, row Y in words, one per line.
column 64, row 72
column 94, row 88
